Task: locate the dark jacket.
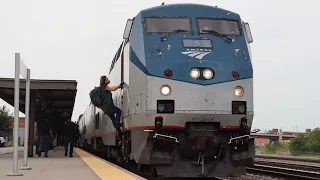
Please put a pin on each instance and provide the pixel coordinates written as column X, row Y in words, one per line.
column 106, row 96
column 44, row 127
column 70, row 129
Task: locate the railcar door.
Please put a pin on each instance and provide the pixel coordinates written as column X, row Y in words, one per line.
column 125, row 69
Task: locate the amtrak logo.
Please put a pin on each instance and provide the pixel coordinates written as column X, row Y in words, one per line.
column 236, row 51
column 197, row 53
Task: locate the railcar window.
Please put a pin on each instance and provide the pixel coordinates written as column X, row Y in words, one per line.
column 168, row 25
column 97, row 120
column 225, row 27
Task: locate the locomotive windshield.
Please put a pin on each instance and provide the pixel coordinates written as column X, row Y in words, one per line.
column 167, row 25
column 224, row 27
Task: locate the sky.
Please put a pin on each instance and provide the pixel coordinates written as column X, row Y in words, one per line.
column 77, row 39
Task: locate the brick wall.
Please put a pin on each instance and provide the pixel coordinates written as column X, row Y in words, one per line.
column 21, row 124
column 261, row 141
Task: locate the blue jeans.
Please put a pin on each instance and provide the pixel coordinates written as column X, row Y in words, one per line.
column 110, row 111
column 44, row 142
column 116, row 121
column 118, row 116
column 68, row 140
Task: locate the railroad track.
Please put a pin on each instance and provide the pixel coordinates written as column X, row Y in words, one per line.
column 292, row 158
column 289, row 165
column 283, row 172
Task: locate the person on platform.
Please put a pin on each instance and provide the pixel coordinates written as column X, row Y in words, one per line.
column 108, row 106
column 70, row 132
column 45, row 134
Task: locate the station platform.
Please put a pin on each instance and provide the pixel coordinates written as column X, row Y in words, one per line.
column 57, row 166
column 8, row 150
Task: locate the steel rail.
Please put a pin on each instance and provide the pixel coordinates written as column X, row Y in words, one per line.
column 290, row 165
column 283, row 172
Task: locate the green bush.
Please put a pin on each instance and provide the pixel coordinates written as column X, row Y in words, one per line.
column 303, row 145
column 313, row 143
column 274, row 147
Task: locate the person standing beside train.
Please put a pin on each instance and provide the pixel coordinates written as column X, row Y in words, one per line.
column 108, row 106
column 70, row 131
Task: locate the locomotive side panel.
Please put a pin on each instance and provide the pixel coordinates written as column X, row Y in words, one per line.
column 125, row 91
column 137, row 77
column 81, row 130
column 137, row 94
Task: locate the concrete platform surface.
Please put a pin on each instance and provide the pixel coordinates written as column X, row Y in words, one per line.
column 57, row 166
column 8, row 150
column 106, row 170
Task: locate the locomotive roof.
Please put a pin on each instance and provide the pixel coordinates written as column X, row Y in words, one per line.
column 193, row 9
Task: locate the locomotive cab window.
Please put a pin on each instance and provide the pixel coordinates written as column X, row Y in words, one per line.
column 221, row 26
column 167, row 25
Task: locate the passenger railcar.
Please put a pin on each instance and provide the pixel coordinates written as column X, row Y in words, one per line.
column 187, row 102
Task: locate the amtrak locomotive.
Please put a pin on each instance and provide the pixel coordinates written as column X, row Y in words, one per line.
column 187, row 100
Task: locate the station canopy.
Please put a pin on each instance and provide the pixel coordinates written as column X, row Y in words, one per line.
column 57, row 97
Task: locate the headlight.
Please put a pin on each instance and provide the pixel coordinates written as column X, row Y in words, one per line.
column 241, row 108
column 194, row 73
column 238, row 91
column 207, row 74
column 165, row 90
column 165, row 106
column 161, row 107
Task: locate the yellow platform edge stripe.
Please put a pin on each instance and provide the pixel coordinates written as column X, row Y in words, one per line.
column 102, row 169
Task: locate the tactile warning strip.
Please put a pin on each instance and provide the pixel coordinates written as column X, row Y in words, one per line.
column 104, row 170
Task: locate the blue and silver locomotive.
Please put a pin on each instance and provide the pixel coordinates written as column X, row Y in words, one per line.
column 187, row 102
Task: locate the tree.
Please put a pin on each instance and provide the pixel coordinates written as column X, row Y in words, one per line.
column 5, row 119
column 314, row 141
column 299, row 144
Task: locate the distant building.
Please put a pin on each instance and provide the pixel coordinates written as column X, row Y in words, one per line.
column 261, row 141
column 276, row 131
column 21, row 129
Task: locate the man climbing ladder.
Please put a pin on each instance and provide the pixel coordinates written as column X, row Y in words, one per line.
column 102, row 97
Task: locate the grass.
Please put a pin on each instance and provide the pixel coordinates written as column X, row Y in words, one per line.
column 310, row 156
column 283, row 150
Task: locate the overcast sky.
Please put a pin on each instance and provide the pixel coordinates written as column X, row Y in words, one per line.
column 77, row 39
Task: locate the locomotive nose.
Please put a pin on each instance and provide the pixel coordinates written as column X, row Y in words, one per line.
column 201, row 143
column 204, row 143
